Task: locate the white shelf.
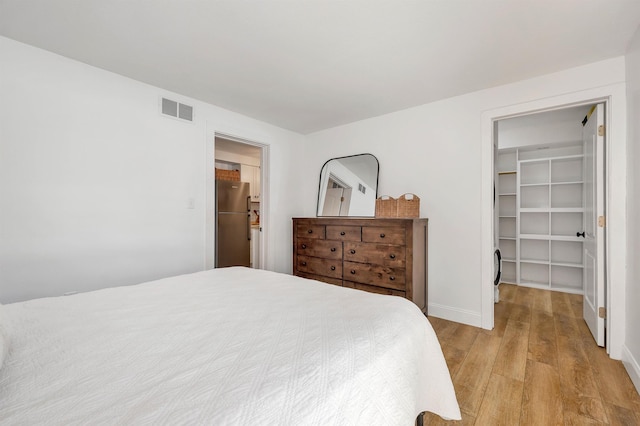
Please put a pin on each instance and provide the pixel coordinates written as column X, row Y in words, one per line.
column 566, row 169
column 528, row 185
column 568, row 265
column 507, row 161
column 577, row 182
column 565, row 238
column 567, row 252
column 567, row 276
column 549, row 212
column 508, row 248
column 534, row 261
column 534, row 236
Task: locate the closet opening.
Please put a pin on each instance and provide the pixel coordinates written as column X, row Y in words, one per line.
column 549, row 205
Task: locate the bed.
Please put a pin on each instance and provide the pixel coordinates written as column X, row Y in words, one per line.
column 225, row 346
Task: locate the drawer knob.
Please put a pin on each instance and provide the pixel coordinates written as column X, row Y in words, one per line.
column 352, row 251
column 392, row 278
column 310, row 231
column 342, row 233
column 333, row 249
column 304, row 246
column 304, row 263
column 353, row 272
column 333, row 268
column 381, row 235
column 393, row 256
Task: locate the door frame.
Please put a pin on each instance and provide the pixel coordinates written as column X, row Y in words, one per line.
column 614, row 98
column 209, row 184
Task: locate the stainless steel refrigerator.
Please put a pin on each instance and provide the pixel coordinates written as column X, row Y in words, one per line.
column 233, row 223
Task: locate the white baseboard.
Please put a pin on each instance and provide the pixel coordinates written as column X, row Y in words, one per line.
column 454, row 314
column 632, row 366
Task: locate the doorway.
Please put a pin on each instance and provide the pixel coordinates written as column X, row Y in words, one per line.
column 242, row 164
column 337, row 197
column 550, row 204
column 614, row 98
column 545, row 180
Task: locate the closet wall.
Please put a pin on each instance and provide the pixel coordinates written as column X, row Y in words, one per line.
column 540, row 199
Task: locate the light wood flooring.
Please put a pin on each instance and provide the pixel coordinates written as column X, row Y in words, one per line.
column 538, row 366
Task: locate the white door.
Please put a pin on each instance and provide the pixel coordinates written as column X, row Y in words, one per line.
column 332, row 202
column 594, row 282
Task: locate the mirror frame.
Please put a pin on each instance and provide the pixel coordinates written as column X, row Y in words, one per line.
column 340, row 158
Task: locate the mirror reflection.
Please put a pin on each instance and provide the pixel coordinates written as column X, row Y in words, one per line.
column 348, row 186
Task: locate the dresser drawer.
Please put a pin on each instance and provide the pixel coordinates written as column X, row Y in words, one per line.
column 328, row 280
column 310, row 231
column 344, row 233
column 319, row 248
column 374, row 289
column 381, row 276
column 325, row 267
column 379, row 254
column 383, row 235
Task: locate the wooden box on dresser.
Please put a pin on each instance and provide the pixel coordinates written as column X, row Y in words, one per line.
column 387, row 256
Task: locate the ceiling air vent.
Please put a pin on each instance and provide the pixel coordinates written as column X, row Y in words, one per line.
column 177, row 110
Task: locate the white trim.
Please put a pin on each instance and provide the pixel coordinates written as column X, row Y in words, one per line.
column 454, row 314
column 487, row 222
column 632, row 366
column 209, row 201
column 614, row 96
column 209, row 252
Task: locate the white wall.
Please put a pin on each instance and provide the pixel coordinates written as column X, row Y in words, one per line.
column 94, row 182
column 434, row 151
column 551, row 127
column 631, row 352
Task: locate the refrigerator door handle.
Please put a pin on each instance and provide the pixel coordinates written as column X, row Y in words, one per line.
column 249, row 218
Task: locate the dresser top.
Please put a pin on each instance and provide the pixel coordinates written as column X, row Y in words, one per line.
column 359, row 221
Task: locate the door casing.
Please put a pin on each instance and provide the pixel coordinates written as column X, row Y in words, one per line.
column 614, row 98
column 209, row 185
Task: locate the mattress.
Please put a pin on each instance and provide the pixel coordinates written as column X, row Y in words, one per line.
column 225, row 346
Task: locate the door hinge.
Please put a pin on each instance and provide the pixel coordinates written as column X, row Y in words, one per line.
column 601, row 130
column 602, row 312
column 342, row 199
column 602, row 221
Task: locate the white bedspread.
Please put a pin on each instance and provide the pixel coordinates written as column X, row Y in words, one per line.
column 232, row 346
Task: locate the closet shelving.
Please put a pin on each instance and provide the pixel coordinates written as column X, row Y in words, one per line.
column 548, row 214
column 507, row 214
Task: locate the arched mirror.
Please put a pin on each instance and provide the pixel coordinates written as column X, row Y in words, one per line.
column 349, row 186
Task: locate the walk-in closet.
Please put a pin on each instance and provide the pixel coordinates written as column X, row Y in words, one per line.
column 540, row 199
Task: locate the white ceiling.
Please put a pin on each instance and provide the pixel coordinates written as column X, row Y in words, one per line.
column 308, row 65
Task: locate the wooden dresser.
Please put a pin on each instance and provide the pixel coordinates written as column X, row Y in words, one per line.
column 387, row 256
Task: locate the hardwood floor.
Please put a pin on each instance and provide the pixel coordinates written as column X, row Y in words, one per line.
column 538, row 366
